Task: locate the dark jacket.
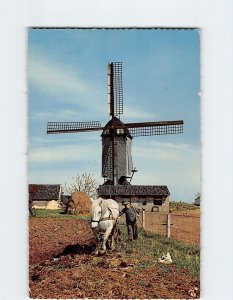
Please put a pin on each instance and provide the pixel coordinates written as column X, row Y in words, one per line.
column 130, row 214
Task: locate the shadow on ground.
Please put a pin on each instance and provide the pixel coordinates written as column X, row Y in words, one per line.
column 76, row 249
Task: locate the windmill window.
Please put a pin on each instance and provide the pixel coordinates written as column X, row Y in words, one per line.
column 120, row 130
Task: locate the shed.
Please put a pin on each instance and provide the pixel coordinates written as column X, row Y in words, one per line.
column 146, row 197
column 41, row 194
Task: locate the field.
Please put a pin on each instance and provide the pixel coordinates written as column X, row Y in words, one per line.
column 61, row 264
column 186, row 226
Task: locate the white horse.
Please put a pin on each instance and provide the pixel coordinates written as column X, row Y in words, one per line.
column 104, row 214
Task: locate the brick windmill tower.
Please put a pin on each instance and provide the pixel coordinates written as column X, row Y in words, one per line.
column 117, row 166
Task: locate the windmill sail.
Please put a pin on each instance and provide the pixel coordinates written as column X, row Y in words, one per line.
column 66, row 127
column 117, row 136
column 115, row 88
column 155, row 128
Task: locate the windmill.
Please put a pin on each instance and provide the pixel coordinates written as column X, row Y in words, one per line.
column 117, row 136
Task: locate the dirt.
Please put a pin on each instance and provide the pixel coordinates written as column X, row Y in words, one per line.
column 190, row 213
column 186, row 226
column 61, row 265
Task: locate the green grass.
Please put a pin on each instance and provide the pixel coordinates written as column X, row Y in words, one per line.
column 153, row 246
column 58, row 213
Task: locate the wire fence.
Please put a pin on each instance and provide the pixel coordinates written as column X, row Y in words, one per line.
column 180, row 226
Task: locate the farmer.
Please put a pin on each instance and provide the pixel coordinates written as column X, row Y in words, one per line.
column 131, row 220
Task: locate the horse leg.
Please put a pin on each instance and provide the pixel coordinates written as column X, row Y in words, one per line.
column 104, row 240
column 113, row 237
column 108, row 243
column 97, row 236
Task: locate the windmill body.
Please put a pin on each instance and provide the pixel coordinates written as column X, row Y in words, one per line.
column 117, row 162
column 117, row 136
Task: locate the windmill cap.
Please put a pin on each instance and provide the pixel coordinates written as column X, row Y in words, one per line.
column 119, row 124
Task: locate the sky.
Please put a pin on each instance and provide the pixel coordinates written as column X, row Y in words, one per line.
column 67, row 81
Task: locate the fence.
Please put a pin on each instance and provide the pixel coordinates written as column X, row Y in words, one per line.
column 179, row 226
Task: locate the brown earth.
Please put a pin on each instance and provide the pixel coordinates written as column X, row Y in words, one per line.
column 61, row 265
column 193, row 212
column 186, row 226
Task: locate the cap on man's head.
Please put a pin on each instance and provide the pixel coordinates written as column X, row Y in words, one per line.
column 125, row 202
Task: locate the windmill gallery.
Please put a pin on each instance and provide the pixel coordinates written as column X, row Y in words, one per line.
column 117, row 166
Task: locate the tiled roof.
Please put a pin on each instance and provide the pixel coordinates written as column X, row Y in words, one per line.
column 133, row 190
column 44, row 191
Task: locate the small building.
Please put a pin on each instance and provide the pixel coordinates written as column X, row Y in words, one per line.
column 41, row 194
column 197, row 201
column 146, row 197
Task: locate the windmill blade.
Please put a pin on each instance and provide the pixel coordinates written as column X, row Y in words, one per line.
column 69, row 127
column 118, row 88
column 115, row 88
column 155, row 128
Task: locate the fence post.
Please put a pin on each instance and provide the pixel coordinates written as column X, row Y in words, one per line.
column 168, row 225
column 143, row 220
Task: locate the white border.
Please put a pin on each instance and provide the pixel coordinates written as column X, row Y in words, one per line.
column 215, row 19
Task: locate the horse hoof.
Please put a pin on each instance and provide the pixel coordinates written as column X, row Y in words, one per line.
column 101, row 252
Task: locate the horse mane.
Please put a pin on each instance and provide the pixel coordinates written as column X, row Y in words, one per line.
column 101, row 202
column 104, row 205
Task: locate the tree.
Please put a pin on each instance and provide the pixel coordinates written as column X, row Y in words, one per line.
column 83, row 183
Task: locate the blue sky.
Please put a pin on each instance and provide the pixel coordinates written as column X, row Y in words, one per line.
column 67, row 81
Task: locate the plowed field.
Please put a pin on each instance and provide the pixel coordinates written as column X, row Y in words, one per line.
column 61, row 265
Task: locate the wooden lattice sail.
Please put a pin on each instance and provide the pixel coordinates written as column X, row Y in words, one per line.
column 117, row 136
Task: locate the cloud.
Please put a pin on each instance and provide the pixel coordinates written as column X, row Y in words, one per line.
column 137, row 113
column 162, row 150
column 69, row 115
column 62, row 83
column 61, row 114
column 47, row 74
column 64, row 139
column 174, row 165
column 60, row 176
column 62, row 153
